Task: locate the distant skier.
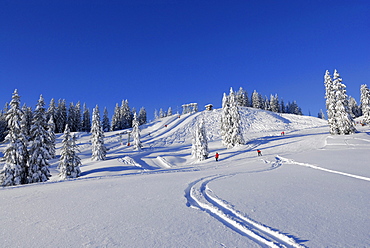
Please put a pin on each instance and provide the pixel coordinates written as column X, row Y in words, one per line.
column 216, row 156
column 282, row 133
column 259, row 153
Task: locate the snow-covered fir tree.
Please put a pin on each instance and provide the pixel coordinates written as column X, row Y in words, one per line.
column 365, row 103
column 169, row 111
column 51, row 112
column 69, row 163
column 3, row 126
column 126, row 115
column 142, row 116
column 38, row 164
column 242, row 98
column 116, row 119
column 71, row 117
column 26, row 121
column 78, row 117
column 99, row 151
column 330, row 97
column 86, row 119
column 105, row 122
column 257, row 100
column 230, row 122
column 354, row 109
column 274, row 103
column 156, row 116
column 136, row 133
column 61, row 116
column 342, row 112
column 162, row 114
column 339, row 116
column 51, row 128
column 15, row 168
column 321, row 115
column 200, row 144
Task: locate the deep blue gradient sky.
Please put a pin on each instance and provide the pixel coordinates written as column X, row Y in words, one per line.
column 166, row 53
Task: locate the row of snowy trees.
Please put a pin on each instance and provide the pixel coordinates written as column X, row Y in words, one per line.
column 78, row 120
column 273, row 103
column 339, row 115
column 28, row 152
column 123, row 116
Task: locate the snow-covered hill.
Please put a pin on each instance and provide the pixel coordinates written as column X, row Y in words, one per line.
column 309, row 189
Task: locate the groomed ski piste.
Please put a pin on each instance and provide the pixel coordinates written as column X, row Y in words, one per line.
column 309, row 189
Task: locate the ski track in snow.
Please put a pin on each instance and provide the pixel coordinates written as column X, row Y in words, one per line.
column 200, row 196
column 290, row 161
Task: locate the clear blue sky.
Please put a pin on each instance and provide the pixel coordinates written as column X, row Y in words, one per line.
column 166, row 53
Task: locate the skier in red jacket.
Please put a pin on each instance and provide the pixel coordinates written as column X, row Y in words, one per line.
column 216, row 156
column 259, row 153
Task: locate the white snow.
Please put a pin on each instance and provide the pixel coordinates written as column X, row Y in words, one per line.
column 309, row 189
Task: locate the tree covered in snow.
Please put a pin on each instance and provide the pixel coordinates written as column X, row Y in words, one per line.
column 169, row 111
column 274, row 103
column 321, row 115
column 15, row 168
column 51, row 128
column 116, row 119
column 3, row 126
column 257, row 100
column 242, row 98
column 69, row 163
column 105, row 122
column 354, row 109
column 200, row 144
column 40, row 144
column 51, row 112
column 126, row 115
column 26, row 121
column 339, row 117
column 99, row 151
column 61, row 116
column 344, row 119
column 230, row 121
column 136, row 133
column 86, row 119
column 142, row 116
column 365, row 103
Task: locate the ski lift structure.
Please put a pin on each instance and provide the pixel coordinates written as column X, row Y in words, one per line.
column 121, row 137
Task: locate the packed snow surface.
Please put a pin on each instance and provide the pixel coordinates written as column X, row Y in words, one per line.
column 309, row 189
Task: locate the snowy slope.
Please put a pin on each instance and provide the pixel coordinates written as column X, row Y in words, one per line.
column 309, row 189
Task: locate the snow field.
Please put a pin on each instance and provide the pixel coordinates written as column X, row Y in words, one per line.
column 162, row 197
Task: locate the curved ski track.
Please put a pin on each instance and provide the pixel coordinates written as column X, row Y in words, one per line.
column 200, row 196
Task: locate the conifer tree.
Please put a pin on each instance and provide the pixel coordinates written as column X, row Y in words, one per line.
column 51, row 128
column 105, row 122
column 136, row 133
column 142, row 116
column 51, row 112
column 116, row 119
column 274, row 103
column 3, row 126
column 71, row 117
column 342, row 114
column 257, row 100
column 230, row 122
column 200, row 144
column 126, row 115
column 99, row 150
column 38, row 165
column 86, row 121
column 365, row 103
column 242, row 98
column 61, row 116
column 15, row 168
column 169, row 112
column 78, row 117
column 69, row 163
